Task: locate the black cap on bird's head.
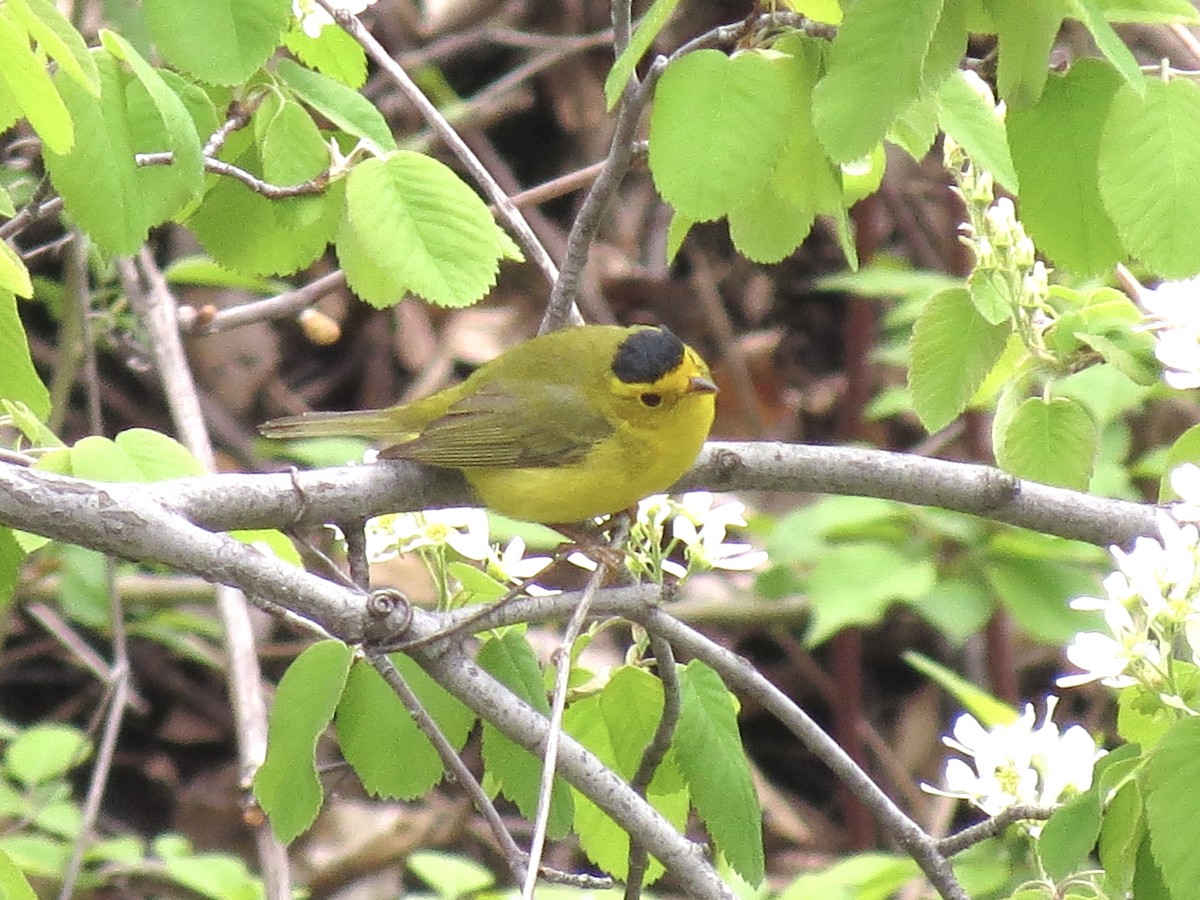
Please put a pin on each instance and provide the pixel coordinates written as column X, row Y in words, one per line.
column 647, row 355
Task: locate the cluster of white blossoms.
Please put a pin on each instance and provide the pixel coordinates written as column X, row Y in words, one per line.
column 698, row 532
column 1151, row 605
column 313, row 18
column 1173, row 313
column 1018, row 763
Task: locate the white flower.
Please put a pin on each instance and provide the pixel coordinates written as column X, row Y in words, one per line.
column 1017, row 763
column 463, row 530
column 511, row 564
column 1173, row 310
column 706, row 546
column 313, row 18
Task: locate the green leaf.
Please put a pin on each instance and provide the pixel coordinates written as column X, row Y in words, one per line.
column 30, row 86
column 272, row 541
column 677, row 232
column 853, row 584
column 1110, row 44
column 215, row 875
column 449, row 875
column 968, row 117
column 83, row 591
column 333, row 53
column 953, row 348
column 643, row 36
column 13, row 883
column 345, row 108
column 220, row 41
column 915, row 129
column 874, row 73
column 1121, row 833
column 293, row 152
column 1186, row 448
column 709, row 750
column 510, row 659
column 1052, row 442
column 451, row 244
column 14, row 276
column 273, row 236
column 11, row 556
column 159, row 122
column 1026, row 30
column 1055, row 144
column 286, row 785
column 1149, row 156
column 946, row 47
column 957, row 607
column 58, row 39
column 453, row 718
column 19, row 380
column 380, row 740
column 1172, row 794
column 1069, row 835
column 717, row 126
column 47, row 752
column 98, row 180
column 989, row 711
column 859, row 876
column 1036, row 593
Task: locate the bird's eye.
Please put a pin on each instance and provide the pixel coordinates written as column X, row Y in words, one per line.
column 650, row 399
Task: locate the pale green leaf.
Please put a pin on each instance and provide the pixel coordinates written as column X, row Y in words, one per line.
column 30, row 85
column 953, row 348
column 46, row 752
column 58, row 39
column 1055, row 144
column 1026, row 30
column 1052, row 442
column 423, row 227
column 1069, row 835
column 1154, row 11
column 345, row 108
column 710, row 755
column 717, row 126
column 968, row 117
column 333, row 53
column 1172, row 792
column 14, row 277
column 988, row 710
column 286, row 785
column 874, row 73
column 1092, row 16
column 218, row 41
column 13, row 883
column 1148, row 159
column 448, row 874
column 19, row 380
column 855, row 583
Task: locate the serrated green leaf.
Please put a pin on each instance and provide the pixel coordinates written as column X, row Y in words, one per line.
column 1026, row 30
column 677, row 232
column 647, row 30
column 1055, row 146
column 58, row 39
column 915, row 129
column 293, row 152
column 30, row 86
column 953, row 348
column 453, row 718
column 421, row 227
column 286, row 785
column 709, row 750
column 946, row 47
column 46, row 752
column 220, row 41
column 84, row 590
column 1149, row 154
column 8, row 209
column 1052, row 442
column 1121, row 833
column 968, row 117
column 874, row 73
column 510, row 659
column 855, row 583
column 380, row 740
column 333, row 53
column 448, row 874
column 345, row 108
column 717, row 126
column 1110, row 44
column 1172, row 793
column 13, row 883
column 138, row 454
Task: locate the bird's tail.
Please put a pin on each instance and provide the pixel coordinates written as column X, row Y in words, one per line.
column 371, row 423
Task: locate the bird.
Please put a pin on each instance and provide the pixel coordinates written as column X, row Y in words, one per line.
column 562, row 428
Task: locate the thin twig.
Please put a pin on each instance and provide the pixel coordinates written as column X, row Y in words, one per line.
column 278, row 307
column 977, row 834
column 315, row 185
column 508, row 212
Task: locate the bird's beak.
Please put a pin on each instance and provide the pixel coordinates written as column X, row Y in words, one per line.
column 700, row 385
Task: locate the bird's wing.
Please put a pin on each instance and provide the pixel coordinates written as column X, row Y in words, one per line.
column 543, row 425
